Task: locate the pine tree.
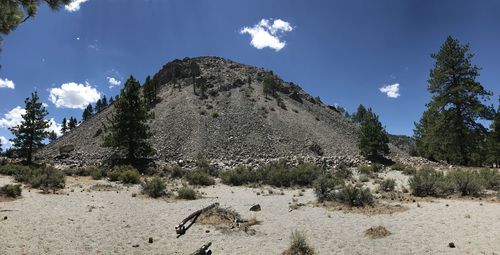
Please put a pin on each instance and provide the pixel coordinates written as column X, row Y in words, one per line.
column 87, row 113
column 129, row 130
column 64, row 126
column 449, row 129
column 359, row 115
column 72, row 123
column 373, row 139
column 111, row 100
column 494, row 139
column 269, row 86
column 149, row 90
column 52, row 136
column 104, row 102
column 30, row 133
column 98, row 106
column 1, row 148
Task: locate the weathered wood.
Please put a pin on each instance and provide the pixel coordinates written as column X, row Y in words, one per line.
column 181, row 228
column 204, row 250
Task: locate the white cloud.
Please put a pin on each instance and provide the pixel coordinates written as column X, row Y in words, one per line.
column 266, row 35
column 5, row 143
column 13, row 117
column 74, row 95
column 74, row 5
column 6, row 83
column 54, row 126
column 391, row 91
column 113, row 82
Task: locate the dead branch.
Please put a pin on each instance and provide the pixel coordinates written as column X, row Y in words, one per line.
column 181, row 228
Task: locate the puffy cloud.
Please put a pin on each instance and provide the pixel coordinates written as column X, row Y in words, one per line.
column 264, row 34
column 13, row 117
column 6, row 83
column 113, row 82
column 5, row 143
column 54, row 126
column 74, row 5
column 74, row 95
column 391, row 91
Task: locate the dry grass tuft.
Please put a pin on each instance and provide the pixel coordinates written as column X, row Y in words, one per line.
column 299, row 245
column 377, row 232
column 226, row 218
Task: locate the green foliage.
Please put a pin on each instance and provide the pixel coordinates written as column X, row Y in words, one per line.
column 449, row 129
column 388, row 185
column 95, row 173
column 31, row 132
column 280, row 175
column 174, row 171
column 11, row 190
column 467, row 182
column 354, row 196
column 398, row 166
column 429, row 182
column 45, row 177
column 199, row 177
column 281, row 103
column 409, row 170
column 369, row 170
column 186, row 193
column 129, row 130
column 270, row 86
column 204, row 165
column 154, row 187
column 240, row 175
column 360, row 114
column 13, row 169
column 373, row 138
column 490, row 178
column 493, row 141
column 343, row 172
column 150, row 91
column 299, row 245
column 124, row 174
column 215, row 115
column 87, row 113
column 325, row 186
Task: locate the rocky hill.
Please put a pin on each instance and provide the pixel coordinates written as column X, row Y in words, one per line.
column 234, row 122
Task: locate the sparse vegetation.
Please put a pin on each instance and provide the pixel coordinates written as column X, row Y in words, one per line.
column 154, row 187
column 187, row 193
column 174, row 171
column 281, row 175
column 299, row 245
column 125, row 174
column 354, row 196
column 240, row 175
column 490, row 178
column 199, row 177
column 11, row 190
column 398, row 166
column 467, row 182
column 429, row 182
column 369, row 170
column 377, row 232
column 46, row 177
column 325, row 186
column 388, row 185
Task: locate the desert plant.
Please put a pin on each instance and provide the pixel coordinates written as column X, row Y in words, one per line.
column 409, row 170
column 490, row 178
column 325, row 185
column 11, row 190
column 186, row 193
column 398, row 166
column 204, row 165
column 298, row 245
column 12, row 169
column 199, row 177
column 177, row 172
column 342, row 171
column 154, row 187
column 354, row 196
column 45, row 177
column 468, row 182
column 240, row 175
column 96, row 173
column 281, row 175
column 429, row 182
column 124, row 174
column 388, row 185
column 370, row 169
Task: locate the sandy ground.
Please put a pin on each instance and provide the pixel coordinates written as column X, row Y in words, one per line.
column 111, row 222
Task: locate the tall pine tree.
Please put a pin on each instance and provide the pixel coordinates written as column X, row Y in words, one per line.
column 30, row 133
column 64, row 126
column 72, row 123
column 87, row 113
column 359, row 115
column 373, row 139
column 129, row 130
column 494, row 139
column 449, row 129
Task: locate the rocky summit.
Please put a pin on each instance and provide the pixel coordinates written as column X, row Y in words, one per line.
column 233, row 121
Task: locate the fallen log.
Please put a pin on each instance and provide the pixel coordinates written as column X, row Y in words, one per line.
column 182, row 228
column 204, row 250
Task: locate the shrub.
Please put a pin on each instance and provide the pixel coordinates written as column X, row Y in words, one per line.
column 198, row 177
column 186, row 193
column 281, row 175
column 46, row 178
column 409, row 170
column 177, row 172
column 325, row 185
column 154, row 187
column 240, row 175
column 298, row 245
column 490, row 178
column 370, row 169
column 354, row 196
column 429, row 182
column 398, row 166
column 124, row 174
column 388, row 185
column 95, row 173
column 467, row 182
column 342, row 171
column 364, row 178
column 204, row 165
column 11, row 190
column 12, row 169
column 215, row 115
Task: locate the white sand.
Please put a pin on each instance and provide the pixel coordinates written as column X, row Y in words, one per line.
column 62, row 224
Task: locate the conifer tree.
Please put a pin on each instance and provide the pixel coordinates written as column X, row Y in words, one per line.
column 104, row 102
column 111, row 100
column 149, row 90
column 129, row 130
column 449, row 129
column 72, row 123
column 52, row 136
column 98, row 106
column 494, row 139
column 359, row 115
column 87, row 113
column 30, row 133
column 269, row 86
column 64, row 126
column 373, row 139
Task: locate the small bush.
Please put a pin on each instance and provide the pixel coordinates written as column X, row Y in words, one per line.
column 342, row 171
column 370, row 169
column 46, row 178
column 95, row 173
column 124, row 174
column 154, row 187
column 364, row 178
column 354, row 196
column 325, row 186
column 204, row 165
column 198, row 177
column 186, row 193
column 398, row 166
column 240, row 175
column 12, row 169
column 11, row 190
column 490, row 178
column 409, row 170
column 281, row 175
column 467, row 182
column 298, row 245
column 177, row 172
column 388, row 185
column 429, row 182
column 215, row 115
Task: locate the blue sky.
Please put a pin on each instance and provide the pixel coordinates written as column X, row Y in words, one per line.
column 342, row 51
